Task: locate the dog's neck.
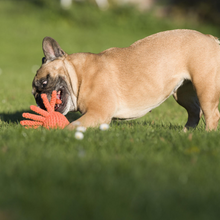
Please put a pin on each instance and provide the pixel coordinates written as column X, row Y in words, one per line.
column 79, row 69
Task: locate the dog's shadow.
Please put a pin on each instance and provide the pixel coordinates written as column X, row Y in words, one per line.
column 16, row 117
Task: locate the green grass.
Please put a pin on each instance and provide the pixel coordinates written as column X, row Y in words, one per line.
column 143, row 169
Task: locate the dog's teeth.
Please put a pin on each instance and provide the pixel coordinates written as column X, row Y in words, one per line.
column 57, row 106
column 58, row 92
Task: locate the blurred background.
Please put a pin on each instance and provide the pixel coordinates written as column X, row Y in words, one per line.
column 84, row 26
column 203, row 10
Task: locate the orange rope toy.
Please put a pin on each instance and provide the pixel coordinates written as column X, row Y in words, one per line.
column 49, row 118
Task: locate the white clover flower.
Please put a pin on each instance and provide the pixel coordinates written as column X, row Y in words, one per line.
column 79, row 135
column 81, row 129
column 104, row 127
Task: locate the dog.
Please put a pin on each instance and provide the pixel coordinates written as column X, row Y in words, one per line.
column 127, row 83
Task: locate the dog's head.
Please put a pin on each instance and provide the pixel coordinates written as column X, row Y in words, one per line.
column 53, row 75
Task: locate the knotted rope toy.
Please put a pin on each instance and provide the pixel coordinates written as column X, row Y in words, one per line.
column 49, row 119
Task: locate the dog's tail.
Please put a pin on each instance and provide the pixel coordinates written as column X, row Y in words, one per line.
column 214, row 38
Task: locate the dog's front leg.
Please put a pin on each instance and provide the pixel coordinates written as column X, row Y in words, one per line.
column 90, row 119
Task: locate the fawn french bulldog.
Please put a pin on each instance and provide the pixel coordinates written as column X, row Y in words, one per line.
column 127, row 83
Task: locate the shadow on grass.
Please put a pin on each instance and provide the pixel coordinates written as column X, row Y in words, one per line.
column 16, row 117
column 145, row 123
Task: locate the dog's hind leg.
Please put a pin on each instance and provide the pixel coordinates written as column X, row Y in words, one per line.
column 209, row 99
column 186, row 97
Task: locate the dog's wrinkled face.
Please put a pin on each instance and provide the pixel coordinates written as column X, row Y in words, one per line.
column 52, row 76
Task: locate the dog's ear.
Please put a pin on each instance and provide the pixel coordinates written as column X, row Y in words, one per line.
column 52, row 49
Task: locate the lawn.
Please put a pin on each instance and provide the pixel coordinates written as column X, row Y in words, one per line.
column 142, row 169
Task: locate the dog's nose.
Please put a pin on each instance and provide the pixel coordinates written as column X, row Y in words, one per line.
column 39, row 102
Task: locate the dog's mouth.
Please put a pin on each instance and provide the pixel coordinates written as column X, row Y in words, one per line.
column 60, row 102
column 62, row 99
